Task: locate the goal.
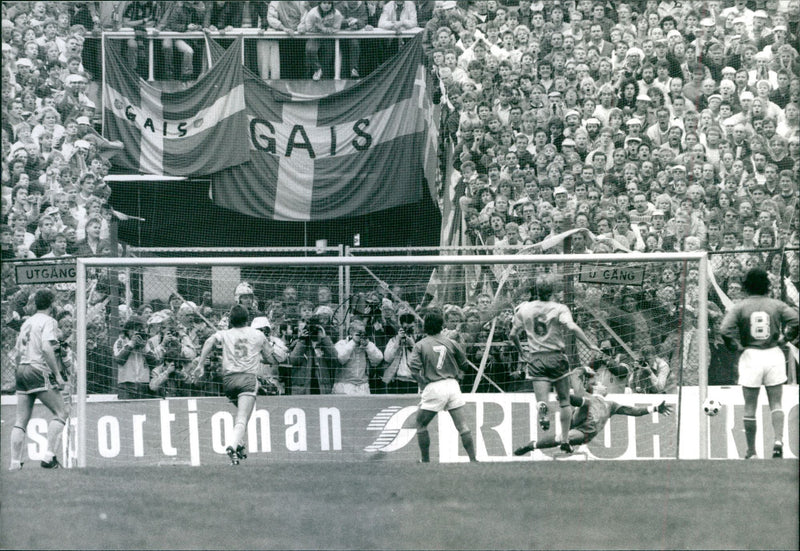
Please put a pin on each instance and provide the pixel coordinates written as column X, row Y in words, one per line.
column 185, row 420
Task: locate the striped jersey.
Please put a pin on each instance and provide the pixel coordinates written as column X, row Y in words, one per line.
column 757, row 322
column 545, row 325
column 241, row 349
column 435, row 358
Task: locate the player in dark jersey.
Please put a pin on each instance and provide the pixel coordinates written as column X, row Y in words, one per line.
column 592, row 412
column 758, row 325
column 436, row 364
column 546, row 324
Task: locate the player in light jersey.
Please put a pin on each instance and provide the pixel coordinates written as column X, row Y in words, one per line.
column 243, row 350
column 546, row 324
column 758, row 324
column 38, row 375
column 592, row 412
column 436, row 364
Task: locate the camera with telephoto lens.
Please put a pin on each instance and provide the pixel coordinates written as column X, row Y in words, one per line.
column 314, row 328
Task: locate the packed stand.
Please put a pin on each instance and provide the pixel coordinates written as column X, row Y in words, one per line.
column 648, row 126
column 655, row 126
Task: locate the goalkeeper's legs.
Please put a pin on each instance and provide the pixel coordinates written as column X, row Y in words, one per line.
column 424, row 417
column 575, row 438
column 463, row 430
column 750, row 426
column 775, row 398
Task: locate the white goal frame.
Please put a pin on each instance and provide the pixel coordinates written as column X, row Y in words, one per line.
column 83, row 264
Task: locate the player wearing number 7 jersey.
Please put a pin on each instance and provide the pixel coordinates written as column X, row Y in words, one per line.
column 436, row 364
column 758, row 324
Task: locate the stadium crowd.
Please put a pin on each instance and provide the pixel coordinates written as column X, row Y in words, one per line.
column 650, row 126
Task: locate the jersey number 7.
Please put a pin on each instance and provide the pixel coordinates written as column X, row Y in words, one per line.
column 441, row 352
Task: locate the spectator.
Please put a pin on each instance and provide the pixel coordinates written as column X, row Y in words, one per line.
column 322, row 19
column 133, row 373
column 358, row 356
column 314, row 361
column 178, row 17
column 397, row 374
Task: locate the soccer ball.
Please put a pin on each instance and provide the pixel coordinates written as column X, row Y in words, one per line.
column 711, row 407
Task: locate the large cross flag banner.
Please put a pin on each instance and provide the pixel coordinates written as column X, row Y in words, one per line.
column 366, row 148
column 191, row 132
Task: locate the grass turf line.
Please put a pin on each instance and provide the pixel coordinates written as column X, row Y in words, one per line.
column 550, row 505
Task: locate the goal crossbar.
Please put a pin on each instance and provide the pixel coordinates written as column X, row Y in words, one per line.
column 82, row 264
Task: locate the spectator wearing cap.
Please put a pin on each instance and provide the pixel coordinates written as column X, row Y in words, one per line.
column 71, row 102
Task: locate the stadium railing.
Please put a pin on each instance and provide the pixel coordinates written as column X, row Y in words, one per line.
column 252, row 34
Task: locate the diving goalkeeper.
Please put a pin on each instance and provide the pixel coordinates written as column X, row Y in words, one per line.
column 592, row 412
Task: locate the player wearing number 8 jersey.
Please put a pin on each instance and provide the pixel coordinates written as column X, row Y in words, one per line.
column 243, row 350
column 546, row 324
column 758, row 325
column 435, row 364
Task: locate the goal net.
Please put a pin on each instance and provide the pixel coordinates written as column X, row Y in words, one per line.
column 647, row 313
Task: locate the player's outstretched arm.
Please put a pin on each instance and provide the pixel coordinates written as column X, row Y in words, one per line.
column 662, row 408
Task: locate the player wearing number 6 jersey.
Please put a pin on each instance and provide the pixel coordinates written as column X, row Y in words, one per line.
column 243, row 350
column 546, row 324
column 758, row 325
column 436, row 364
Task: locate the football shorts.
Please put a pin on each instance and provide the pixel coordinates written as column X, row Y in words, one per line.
column 239, row 384
column 762, row 367
column 546, row 366
column 442, row 395
column 31, row 379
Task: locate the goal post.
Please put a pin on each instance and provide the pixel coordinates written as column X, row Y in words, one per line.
column 357, row 271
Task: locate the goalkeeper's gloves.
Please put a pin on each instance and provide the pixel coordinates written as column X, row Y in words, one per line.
column 662, row 408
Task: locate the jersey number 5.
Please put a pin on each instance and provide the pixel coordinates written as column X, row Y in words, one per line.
column 759, row 326
column 441, row 352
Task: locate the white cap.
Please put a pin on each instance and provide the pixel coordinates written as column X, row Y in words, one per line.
column 260, row 322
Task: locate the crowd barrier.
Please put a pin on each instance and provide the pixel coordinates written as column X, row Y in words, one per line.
column 192, row 431
column 251, row 35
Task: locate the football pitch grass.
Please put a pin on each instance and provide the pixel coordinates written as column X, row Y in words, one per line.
column 383, row 505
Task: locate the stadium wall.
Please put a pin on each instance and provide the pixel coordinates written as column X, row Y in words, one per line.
column 186, row 431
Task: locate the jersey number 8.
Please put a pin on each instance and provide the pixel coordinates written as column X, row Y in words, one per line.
column 759, row 326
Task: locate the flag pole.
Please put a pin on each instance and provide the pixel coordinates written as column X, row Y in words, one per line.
column 103, row 83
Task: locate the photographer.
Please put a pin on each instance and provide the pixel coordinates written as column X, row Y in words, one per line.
column 133, row 373
column 268, row 373
column 313, row 360
column 650, row 374
column 167, row 352
column 357, row 355
column 397, row 376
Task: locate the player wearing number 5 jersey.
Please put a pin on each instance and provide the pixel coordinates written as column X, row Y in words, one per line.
column 38, row 375
column 243, row 350
column 546, row 324
column 436, row 364
column 758, row 324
